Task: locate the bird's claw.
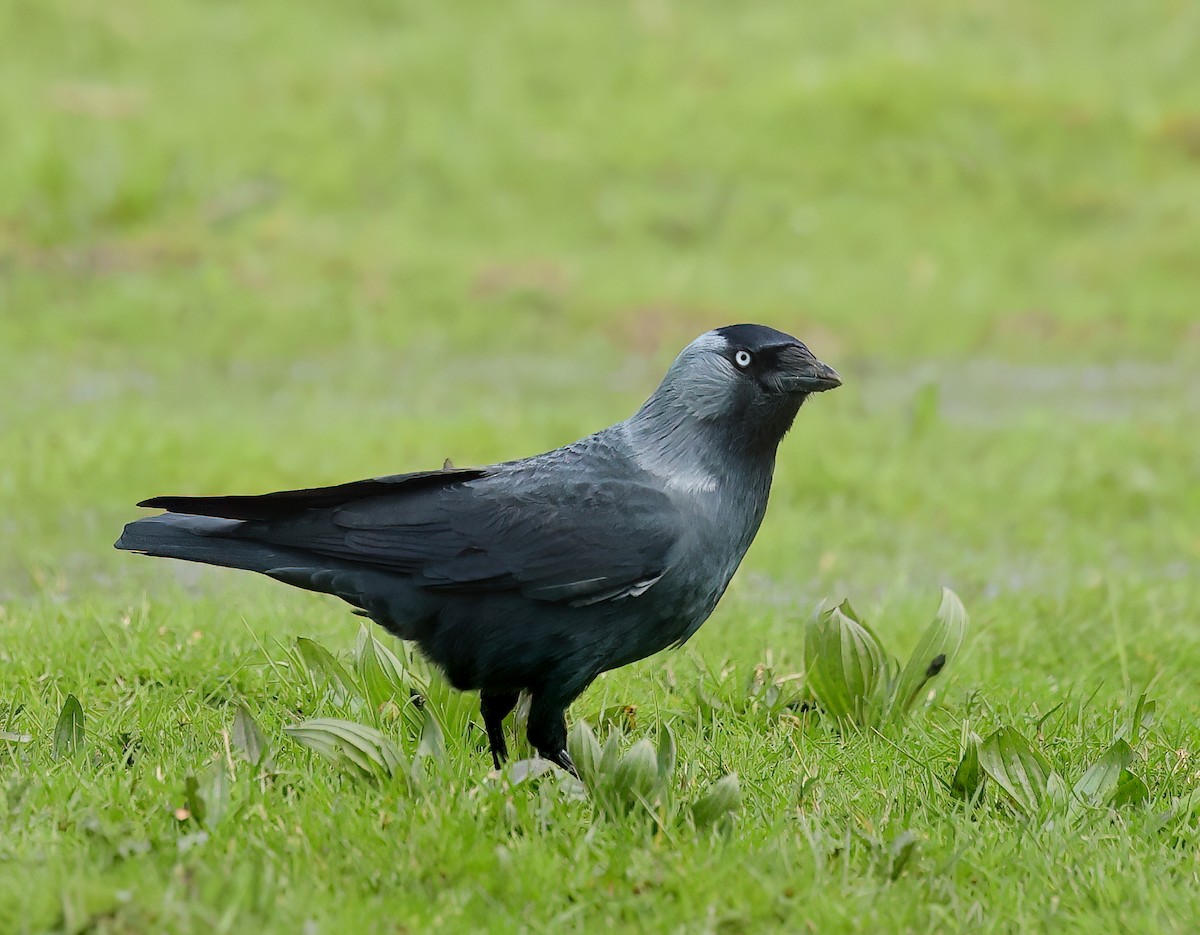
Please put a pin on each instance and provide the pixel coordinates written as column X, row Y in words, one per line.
column 562, row 759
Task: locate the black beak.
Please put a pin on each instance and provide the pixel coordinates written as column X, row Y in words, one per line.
column 800, row 372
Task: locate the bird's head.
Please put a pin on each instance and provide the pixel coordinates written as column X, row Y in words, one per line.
column 750, row 380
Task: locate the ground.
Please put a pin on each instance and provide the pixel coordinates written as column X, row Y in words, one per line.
column 250, row 246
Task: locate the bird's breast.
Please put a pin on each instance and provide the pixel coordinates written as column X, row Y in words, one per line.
column 717, row 532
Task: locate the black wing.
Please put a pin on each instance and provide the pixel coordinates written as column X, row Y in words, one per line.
column 285, row 504
column 579, row 542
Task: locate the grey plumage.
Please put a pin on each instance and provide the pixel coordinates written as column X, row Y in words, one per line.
column 542, row 573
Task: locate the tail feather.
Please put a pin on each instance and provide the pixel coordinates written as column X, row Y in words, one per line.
column 204, row 539
column 386, row 598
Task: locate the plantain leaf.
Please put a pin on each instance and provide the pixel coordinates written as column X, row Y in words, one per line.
column 609, row 755
column 585, row 752
column 636, row 774
column 720, row 801
column 68, row 731
column 377, row 686
column 367, row 751
column 248, row 737
column 666, row 755
column 848, row 609
column 1017, row 768
column 325, row 668
column 1099, row 781
column 968, row 777
column 845, row 666
column 936, row 649
column 207, row 798
column 604, row 783
column 1131, row 790
column 433, row 740
column 899, row 853
column 193, row 801
column 393, row 668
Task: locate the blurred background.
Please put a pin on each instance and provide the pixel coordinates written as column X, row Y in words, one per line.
column 253, row 245
column 249, row 245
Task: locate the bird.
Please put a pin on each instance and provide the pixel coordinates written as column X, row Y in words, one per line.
column 537, row 575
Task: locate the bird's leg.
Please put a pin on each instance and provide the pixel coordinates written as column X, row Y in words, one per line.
column 547, row 732
column 495, row 707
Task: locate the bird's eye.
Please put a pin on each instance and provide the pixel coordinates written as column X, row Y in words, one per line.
column 742, row 359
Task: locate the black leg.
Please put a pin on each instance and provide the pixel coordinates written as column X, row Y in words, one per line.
column 495, row 707
column 547, row 732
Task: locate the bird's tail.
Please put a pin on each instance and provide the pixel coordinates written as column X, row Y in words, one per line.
column 226, row 542
column 206, row 539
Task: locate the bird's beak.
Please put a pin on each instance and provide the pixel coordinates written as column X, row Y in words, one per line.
column 803, row 373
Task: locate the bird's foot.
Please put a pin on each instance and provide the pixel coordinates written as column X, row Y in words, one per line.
column 562, row 760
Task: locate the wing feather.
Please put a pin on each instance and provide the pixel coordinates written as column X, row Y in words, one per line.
column 578, row 542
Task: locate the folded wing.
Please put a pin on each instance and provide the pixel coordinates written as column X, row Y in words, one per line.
column 577, row 542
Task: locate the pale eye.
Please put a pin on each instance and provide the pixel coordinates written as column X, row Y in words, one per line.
column 742, row 359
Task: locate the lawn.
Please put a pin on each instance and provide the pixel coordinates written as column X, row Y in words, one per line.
column 249, row 246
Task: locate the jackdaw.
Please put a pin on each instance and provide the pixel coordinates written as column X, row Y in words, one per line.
column 542, row 573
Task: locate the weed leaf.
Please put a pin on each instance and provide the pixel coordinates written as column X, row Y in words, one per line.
column 721, row 800
column 937, row 648
column 249, row 738
column 636, row 774
column 207, row 799
column 521, row 771
column 585, row 752
column 666, row 755
column 968, row 777
column 900, row 852
column 377, row 686
column 366, row 750
column 609, row 755
column 392, row 667
column 844, row 665
column 68, row 731
column 1099, row 781
column 325, row 668
column 1017, row 768
column 1131, row 790
column 433, row 741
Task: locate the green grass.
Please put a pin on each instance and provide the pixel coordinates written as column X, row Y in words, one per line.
column 251, row 246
